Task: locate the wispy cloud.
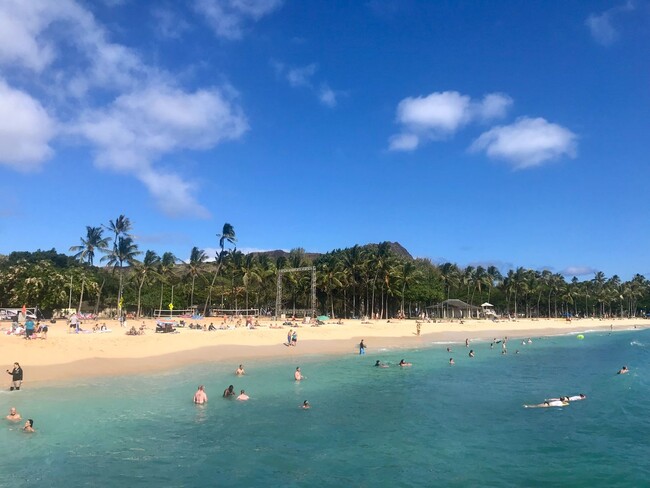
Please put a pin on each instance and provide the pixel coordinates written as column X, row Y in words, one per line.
column 229, row 18
column 140, row 127
column 440, row 114
column 601, row 26
column 527, row 142
column 168, row 23
column 578, row 271
column 25, row 130
column 302, row 77
column 143, row 113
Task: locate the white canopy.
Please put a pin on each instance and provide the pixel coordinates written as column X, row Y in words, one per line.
column 486, row 304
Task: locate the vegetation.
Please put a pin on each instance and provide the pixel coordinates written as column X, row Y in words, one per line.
column 353, row 282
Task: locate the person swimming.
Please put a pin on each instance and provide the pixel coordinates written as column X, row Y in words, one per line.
column 14, row 416
column 404, row 363
column 305, row 405
column 240, row 371
column 379, row 364
column 29, row 426
column 547, row 404
column 298, row 375
column 451, row 361
column 242, row 396
column 471, row 353
column 229, row 392
column 623, row 370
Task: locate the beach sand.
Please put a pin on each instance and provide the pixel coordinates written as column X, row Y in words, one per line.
column 64, row 356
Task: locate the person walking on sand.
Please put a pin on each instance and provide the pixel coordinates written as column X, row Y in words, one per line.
column 289, row 337
column 200, row 397
column 16, row 377
column 362, row 348
column 418, row 327
column 294, row 338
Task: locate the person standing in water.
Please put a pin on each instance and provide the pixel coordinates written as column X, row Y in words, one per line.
column 29, row 426
column 200, row 397
column 240, row 371
column 229, row 392
column 14, row 416
column 362, row 348
column 16, row 377
column 298, row 375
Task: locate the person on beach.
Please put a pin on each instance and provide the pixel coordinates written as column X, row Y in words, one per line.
column 29, row 426
column 229, row 392
column 451, row 361
column 16, row 377
column 623, row 370
column 379, row 364
column 14, row 416
column 362, row 348
column 240, row 371
column 298, row 375
column 200, row 397
column 471, row 353
column 402, row 363
column 305, row 405
column 29, row 328
column 294, row 338
column 289, row 337
column 243, row 396
column 418, row 327
column 466, row 342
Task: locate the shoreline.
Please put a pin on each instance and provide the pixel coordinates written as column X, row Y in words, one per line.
column 66, row 357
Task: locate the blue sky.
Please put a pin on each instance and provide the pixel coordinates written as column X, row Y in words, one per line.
column 501, row 132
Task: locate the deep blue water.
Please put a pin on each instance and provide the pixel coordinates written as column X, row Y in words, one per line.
column 429, row 425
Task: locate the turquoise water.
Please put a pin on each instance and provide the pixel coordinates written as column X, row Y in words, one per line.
column 429, row 425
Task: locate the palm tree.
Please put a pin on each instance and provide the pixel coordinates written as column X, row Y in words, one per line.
column 93, row 242
column 227, row 236
column 195, row 267
column 250, row 272
column 144, row 271
column 120, row 227
column 125, row 252
column 407, row 273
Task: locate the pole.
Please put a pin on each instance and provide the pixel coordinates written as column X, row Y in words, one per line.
column 70, row 300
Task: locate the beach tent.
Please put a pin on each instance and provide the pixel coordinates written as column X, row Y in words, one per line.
column 488, row 309
column 454, row 308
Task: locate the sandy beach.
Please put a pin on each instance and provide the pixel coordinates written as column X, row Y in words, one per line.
column 65, row 356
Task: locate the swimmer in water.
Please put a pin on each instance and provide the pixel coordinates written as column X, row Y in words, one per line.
column 547, row 404
column 298, row 375
column 305, row 405
column 379, row 364
column 466, row 342
column 471, row 353
column 451, row 361
column 573, row 398
column 623, row 370
column 243, row 396
column 200, row 397
column 403, row 363
column 14, row 416
column 240, row 371
column 29, row 426
column 449, row 349
column 229, row 392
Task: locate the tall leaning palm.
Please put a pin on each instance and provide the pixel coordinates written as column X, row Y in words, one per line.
column 126, row 251
column 120, row 227
column 145, row 271
column 227, row 236
column 93, row 242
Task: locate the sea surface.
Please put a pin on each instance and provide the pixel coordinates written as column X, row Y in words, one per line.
column 428, row 425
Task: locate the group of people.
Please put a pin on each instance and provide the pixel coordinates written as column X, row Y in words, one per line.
column 292, row 337
column 201, row 397
column 562, row 401
column 14, row 416
column 29, row 330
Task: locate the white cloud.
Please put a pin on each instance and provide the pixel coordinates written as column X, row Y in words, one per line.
column 527, row 142
column 301, row 76
column 327, row 96
column 228, row 18
column 403, row 142
column 140, row 127
column 441, row 114
column 601, row 25
column 168, row 23
column 25, row 130
column 578, row 271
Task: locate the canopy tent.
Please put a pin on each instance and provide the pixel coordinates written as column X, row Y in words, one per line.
column 454, row 308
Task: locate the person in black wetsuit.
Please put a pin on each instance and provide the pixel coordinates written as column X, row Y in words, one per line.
column 16, row 377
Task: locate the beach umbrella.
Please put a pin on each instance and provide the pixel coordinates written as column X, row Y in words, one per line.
column 322, row 318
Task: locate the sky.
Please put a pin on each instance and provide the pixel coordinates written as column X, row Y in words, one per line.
column 498, row 132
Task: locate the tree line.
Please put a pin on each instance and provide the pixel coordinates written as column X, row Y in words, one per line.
column 108, row 271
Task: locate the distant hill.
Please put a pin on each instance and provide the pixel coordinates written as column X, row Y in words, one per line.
column 396, row 247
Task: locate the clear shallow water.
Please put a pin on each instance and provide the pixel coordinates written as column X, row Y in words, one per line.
column 429, row 425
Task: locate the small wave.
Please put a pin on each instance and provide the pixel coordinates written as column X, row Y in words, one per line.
column 637, row 343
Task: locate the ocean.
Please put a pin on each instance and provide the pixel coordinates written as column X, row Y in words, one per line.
column 428, row 425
